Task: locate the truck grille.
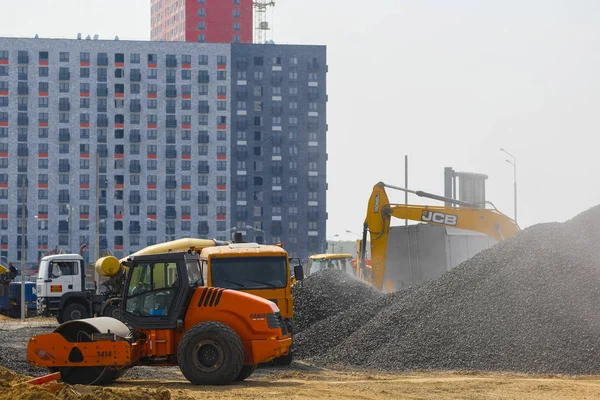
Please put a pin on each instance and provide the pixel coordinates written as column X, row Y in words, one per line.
column 275, row 320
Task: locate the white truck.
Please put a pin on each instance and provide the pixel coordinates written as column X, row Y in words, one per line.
column 61, row 290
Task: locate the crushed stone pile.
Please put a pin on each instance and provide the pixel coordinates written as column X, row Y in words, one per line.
column 528, row 304
column 327, row 293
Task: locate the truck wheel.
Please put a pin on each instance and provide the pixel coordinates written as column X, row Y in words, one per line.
column 112, row 311
column 59, row 318
column 211, row 353
column 247, row 370
column 74, row 311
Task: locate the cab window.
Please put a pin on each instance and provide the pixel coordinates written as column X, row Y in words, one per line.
column 62, row 268
column 152, row 289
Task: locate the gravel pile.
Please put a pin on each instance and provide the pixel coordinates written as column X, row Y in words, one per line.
column 528, row 304
column 327, row 293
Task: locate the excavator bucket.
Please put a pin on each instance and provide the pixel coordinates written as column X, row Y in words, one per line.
column 92, row 351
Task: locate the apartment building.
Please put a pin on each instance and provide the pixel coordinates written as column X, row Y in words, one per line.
column 130, row 143
column 202, row 21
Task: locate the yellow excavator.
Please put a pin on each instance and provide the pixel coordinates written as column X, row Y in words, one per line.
column 463, row 215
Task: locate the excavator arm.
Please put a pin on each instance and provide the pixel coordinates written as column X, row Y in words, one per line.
column 380, row 211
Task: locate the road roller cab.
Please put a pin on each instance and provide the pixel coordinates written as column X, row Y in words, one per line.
column 216, row 336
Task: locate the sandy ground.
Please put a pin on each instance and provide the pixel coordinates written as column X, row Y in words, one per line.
column 305, row 382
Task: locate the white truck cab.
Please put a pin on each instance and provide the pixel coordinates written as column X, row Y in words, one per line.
column 58, row 274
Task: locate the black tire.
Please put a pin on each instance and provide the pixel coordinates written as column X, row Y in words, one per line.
column 59, row 318
column 74, row 311
column 112, row 311
column 246, row 371
column 211, row 353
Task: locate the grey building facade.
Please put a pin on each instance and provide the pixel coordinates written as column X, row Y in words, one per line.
column 120, row 143
column 279, row 144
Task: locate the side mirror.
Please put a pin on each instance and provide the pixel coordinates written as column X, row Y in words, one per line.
column 298, row 272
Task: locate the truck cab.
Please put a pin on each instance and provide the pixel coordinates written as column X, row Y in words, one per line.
column 260, row 270
column 58, row 275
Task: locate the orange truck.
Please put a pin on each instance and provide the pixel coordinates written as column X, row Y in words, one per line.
column 216, row 336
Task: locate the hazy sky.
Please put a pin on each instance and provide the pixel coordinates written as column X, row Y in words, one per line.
column 446, row 82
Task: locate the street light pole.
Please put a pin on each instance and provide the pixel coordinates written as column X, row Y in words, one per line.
column 258, row 230
column 23, row 238
column 513, row 162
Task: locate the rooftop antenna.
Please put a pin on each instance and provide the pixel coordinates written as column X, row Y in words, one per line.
column 88, row 37
column 261, row 25
column 36, row 36
column 79, row 36
column 116, row 38
column 96, row 37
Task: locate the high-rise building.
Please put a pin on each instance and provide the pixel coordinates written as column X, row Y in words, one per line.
column 129, row 143
column 204, row 21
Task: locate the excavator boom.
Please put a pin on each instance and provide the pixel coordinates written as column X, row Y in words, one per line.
column 380, row 211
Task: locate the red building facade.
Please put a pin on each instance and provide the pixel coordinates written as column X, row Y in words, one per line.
column 204, row 21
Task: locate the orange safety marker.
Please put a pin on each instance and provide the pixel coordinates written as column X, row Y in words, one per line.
column 44, row 379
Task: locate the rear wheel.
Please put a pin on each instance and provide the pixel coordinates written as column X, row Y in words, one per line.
column 74, row 311
column 211, row 353
column 112, row 311
column 246, row 371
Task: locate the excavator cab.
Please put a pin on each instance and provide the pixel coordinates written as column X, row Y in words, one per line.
column 158, row 287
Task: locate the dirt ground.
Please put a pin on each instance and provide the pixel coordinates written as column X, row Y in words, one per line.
column 300, row 381
column 305, row 382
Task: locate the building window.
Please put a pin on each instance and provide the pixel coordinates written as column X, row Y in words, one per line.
column 201, row 25
column 202, row 12
column 201, row 38
column 236, row 13
column 236, row 26
column 64, row 57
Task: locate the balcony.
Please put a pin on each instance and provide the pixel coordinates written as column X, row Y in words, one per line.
column 102, row 152
column 102, row 92
column 135, row 198
column 171, row 93
column 203, row 78
column 171, row 153
column 64, row 199
column 102, row 122
column 64, row 107
column 171, row 123
column 22, row 121
column 203, row 109
column 171, row 63
column 23, row 89
column 136, row 108
column 64, row 76
column 22, row 76
column 171, row 184
column 22, row 151
column 64, row 137
column 134, row 229
column 64, row 168
column 203, row 168
column 135, row 137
